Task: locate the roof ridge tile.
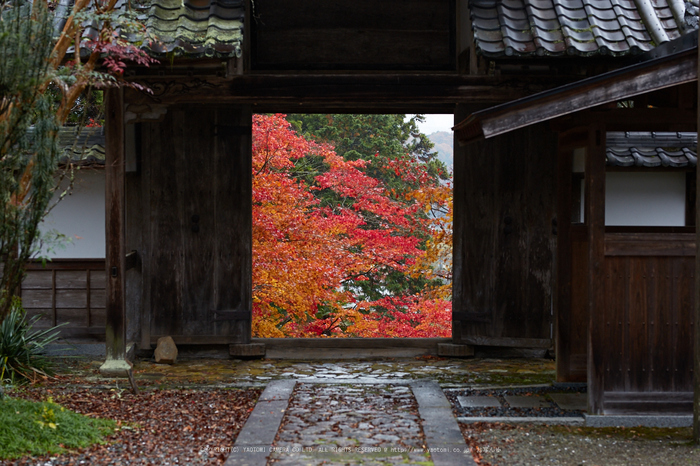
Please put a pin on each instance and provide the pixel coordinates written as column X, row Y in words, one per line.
column 577, row 27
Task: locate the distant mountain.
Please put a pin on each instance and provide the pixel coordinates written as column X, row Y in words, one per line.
column 443, row 145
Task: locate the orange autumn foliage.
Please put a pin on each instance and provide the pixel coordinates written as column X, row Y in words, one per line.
column 307, row 254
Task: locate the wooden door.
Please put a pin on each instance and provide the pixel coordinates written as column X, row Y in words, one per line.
column 504, row 246
column 197, row 273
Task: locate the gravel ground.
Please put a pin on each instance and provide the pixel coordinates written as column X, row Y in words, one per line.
column 496, row 444
column 500, row 444
column 157, row 427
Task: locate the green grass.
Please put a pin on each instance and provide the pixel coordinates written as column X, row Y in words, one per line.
column 29, row 428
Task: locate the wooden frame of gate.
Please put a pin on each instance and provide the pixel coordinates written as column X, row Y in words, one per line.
column 625, row 294
column 633, row 289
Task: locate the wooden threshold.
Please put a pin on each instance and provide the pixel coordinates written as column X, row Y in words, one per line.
column 507, row 342
column 351, row 342
column 648, row 403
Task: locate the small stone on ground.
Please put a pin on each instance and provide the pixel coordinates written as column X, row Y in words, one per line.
column 166, row 351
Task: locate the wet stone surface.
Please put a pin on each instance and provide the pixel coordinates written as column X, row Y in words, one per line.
column 257, row 373
column 342, row 424
column 515, row 402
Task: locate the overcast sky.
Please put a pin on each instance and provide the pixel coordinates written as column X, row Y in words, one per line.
column 437, row 123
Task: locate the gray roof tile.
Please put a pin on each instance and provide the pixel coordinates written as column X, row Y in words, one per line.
column 575, row 27
column 86, row 147
column 649, row 149
column 185, row 27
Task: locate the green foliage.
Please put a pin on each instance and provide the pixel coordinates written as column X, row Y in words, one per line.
column 28, row 159
column 375, row 139
column 29, row 428
column 22, row 350
column 88, row 109
column 395, row 284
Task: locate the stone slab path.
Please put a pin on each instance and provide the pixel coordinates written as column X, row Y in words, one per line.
column 339, row 424
column 566, row 401
column 574, row 401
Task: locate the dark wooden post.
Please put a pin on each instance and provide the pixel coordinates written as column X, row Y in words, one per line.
column 562, row 295
column 696, row 342
column 115, row 363
column 595, row 217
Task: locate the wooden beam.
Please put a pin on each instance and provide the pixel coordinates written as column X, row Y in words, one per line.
column 507, row 342
column 292, row 343
column 636, row 119
column 696, row 318
column 362, row 92
column 115, row 259
column 606, row 88
column 595, row 217
column 355, row 343
column 650, row 244
column 233, row 242
column 562, row 293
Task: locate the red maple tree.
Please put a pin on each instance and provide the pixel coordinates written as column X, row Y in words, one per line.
column 307, row 254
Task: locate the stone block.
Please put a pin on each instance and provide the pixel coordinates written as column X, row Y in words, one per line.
column 115, row 368
column 479, row 401
column 638, row 420
column 574, row 401
column 166, row 351
column 518, row 401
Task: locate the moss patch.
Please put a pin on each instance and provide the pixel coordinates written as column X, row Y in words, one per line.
column 39, row 428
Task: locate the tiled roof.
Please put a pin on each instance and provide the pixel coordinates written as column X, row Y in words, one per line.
column 196, row 28
column 84, row 148
column 513, row 28
column 187, row 28
column 645, row 149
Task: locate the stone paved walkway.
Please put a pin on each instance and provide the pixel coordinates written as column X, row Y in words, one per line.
column 326, row 422
column 347, row 424
column 376, row 424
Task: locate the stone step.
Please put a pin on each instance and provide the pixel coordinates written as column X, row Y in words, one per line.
column 565, row 401
column 520, row 401
column 479, row 401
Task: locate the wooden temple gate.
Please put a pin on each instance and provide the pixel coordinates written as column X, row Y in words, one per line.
column 179, row 181
column 178, row 161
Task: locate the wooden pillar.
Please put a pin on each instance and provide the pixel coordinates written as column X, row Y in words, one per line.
column 571, row 295
column 115, row 363
column 696, row 342
column 233, row 267
column 562, row 297
column 595, row 215
column 460, row 262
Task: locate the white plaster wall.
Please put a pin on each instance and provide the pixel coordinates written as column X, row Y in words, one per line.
column 645, row 199
column 81, row 217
